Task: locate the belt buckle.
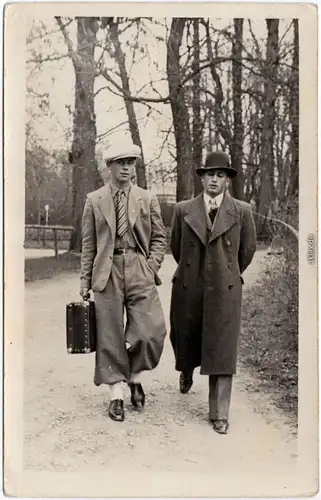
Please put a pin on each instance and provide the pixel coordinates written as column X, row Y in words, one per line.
column 119, row 251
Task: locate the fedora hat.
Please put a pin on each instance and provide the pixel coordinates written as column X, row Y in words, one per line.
column 217, row 161
column 123, row 149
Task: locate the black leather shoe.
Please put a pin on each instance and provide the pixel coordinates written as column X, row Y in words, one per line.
column 137, row 395
column 116, row 410
column 185, row 382
column 220, row 426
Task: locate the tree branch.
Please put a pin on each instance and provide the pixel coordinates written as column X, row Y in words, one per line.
column 31, row 38
column 110, row 131
column 103, row 72
column 40, row 60
column 68, row 41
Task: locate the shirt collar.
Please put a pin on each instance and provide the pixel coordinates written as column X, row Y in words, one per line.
column 115, row 189
column 218, row 200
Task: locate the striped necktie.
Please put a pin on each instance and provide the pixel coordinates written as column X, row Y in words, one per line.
column 121, row 215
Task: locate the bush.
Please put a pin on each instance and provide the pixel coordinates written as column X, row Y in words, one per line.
column 269, row 343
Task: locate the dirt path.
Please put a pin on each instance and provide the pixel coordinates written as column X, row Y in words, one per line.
column 36, row 253
column 66, row 427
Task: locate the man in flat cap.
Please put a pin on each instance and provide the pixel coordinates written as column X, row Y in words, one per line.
column 213, row 240
column 123, row 246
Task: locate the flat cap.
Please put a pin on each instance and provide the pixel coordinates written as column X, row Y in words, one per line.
column 123, row 149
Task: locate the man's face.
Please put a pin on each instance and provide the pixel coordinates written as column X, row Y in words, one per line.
column 122, row 171
column 215, row 182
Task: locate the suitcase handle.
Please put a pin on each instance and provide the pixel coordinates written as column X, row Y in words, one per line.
column 87, row 299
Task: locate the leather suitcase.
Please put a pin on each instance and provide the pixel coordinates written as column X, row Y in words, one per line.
column 81, row 327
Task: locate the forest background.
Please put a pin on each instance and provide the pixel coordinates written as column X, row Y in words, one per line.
column 179, row 87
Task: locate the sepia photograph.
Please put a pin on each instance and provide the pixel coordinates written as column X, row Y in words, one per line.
column 165, row 250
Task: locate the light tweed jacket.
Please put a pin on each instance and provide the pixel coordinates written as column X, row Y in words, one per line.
column 99, row 229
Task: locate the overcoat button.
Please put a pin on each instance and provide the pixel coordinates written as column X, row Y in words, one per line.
column 228, row 243
column 229, row 265
column 184, row 286
column 188, row 263
column 230, row 287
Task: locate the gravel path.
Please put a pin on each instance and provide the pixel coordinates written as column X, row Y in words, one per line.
column 36, row 253
column 66, row 427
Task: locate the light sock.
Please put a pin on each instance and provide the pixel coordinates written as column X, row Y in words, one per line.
column 135, row 378
column 116, row 391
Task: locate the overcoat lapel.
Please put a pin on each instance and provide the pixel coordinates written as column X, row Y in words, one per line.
column 106, row 205
column 226, row 218
column 196, row 218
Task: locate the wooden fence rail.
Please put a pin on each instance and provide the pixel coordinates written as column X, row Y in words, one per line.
column 42, row 230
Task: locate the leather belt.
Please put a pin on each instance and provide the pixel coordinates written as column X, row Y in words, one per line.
column 122, row 251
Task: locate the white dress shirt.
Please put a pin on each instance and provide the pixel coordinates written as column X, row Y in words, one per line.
column 212, row 202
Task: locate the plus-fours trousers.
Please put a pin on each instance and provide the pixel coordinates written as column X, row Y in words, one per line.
column 130, row 291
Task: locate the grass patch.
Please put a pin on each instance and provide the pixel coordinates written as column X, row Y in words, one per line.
column 48, row 267
column 269, row 342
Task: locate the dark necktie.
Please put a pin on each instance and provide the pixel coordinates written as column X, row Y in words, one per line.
column 213, row 210
column 212, row 214
column 121, row 215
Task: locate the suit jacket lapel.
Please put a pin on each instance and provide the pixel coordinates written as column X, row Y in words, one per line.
column 196, row 218
column 106, row 205
column 226, row 217
column 134, row 205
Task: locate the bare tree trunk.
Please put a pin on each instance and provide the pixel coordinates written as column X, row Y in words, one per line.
column 280, row 140
column 133, row 125
column 279, row 144
column 210, row 129
column 209, row 125
column 251, row 191
column 184, row 187
column 255, row 133
column 267, row 153
column 85, row 176
column 294, row 112
column 255, row 127
column 197, row 125
column 236, row 148
column 220, row 126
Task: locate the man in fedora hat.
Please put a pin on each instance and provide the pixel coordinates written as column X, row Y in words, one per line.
column 123, row 246
column 213, row 240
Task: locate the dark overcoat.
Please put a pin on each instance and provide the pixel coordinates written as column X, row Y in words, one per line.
column 206, row 297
